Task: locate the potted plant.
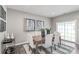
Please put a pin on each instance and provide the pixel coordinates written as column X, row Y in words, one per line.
column 48, row 30
column 43, row 32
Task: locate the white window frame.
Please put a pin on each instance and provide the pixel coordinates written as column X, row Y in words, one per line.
column 64, row 29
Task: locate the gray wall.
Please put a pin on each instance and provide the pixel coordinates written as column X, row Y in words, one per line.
column 67, row 17
column 15, row 24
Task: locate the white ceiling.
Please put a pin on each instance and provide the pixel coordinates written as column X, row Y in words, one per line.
column 45, row 10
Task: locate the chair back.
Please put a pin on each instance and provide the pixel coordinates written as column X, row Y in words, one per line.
column 48, row 40
column 27, row 49
column 56, row 36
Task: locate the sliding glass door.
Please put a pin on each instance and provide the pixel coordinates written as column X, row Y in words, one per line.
column 67, row 30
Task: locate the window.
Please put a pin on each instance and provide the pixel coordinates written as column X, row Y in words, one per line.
column 67, row 30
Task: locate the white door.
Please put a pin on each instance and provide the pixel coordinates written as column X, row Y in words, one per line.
column 67, row 30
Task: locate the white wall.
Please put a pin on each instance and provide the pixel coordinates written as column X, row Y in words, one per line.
column 67, row 17
column 15, row 24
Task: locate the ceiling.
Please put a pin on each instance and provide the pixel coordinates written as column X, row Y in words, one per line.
column 46, row 10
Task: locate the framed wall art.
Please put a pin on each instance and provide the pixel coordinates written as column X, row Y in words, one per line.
column 33, row 25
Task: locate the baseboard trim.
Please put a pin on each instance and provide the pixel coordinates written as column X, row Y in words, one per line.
column 70, row 41
column 23, row 43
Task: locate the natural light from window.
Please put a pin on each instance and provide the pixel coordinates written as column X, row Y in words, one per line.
column 67, row 30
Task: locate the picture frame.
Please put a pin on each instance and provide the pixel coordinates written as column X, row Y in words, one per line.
column 2, row 13
column 33, row 25
column 2, row 26
column 39, row 24
column 29, row 25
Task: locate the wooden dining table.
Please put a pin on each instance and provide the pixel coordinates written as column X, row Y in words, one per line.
column 37, row 39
